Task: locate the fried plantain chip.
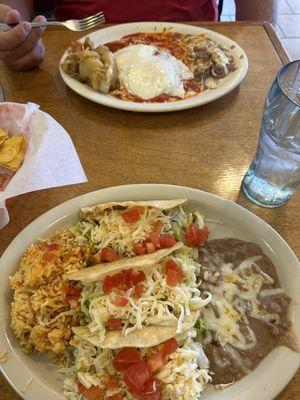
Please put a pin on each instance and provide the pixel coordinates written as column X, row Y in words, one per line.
column 12, row 152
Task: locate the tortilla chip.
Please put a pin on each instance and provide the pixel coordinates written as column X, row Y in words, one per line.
column 3, row 136
column 93, row 274
column 12, row 152
column 91, row 212
column 149, row 336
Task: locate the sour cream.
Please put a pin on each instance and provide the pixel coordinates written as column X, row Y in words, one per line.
column 147, row 72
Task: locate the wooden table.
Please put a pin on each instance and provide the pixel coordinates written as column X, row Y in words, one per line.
column 209, row 147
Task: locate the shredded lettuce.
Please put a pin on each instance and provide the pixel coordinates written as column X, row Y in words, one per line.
column 202, row 326
column 176, row 230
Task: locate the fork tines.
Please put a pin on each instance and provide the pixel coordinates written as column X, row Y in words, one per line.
column 92, row 20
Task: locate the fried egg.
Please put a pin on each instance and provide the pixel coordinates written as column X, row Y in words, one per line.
column 147, row 72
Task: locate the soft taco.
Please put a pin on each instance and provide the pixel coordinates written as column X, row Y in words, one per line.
column 126, row 229
column 176, row 369
column 121, row 299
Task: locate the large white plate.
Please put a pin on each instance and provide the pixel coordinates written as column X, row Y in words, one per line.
column 227, row 220
column 116, row 32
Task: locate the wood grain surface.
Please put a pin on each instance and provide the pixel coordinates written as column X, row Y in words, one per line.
column 208, row 148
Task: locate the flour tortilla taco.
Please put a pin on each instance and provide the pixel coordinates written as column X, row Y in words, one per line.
column 127, row 229
column 121, row 299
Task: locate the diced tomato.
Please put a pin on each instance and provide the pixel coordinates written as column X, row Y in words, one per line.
column 133, row 214
column 93, row 393
column 154, row 236
column 169, row 347
column 122, row 280
column 156, row 361
column 106, row 254
column 71, row 293
column 111, row 382
column 80, row 386
column 140, row 248
column 159, row 359
column 196, row 236
column 171, row 264
column 174, row 273
column 172, row 278
column 150, row 247
column 114, row 323
column 135, row 377
column 137, row 278
column 167, row 240
column 52, row 246
column 152, row 390
column 126, row 357
column 138, row 291
column 120, row 301
column 48, row 256
column 107, row 284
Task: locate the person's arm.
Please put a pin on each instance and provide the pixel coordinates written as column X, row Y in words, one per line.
column 259, row 10
column 21, row 47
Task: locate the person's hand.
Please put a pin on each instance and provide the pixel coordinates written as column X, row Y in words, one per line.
column 21, row 47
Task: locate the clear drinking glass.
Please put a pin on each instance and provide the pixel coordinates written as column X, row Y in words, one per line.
column 274, row 173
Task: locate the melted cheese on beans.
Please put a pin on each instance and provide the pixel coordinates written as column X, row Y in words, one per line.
column 237, row 295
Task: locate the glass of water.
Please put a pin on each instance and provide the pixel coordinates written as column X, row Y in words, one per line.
column 274, row 173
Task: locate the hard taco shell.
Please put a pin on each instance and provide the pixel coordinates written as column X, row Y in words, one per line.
column 149, row 336
column 99, row 271
column 89, row 213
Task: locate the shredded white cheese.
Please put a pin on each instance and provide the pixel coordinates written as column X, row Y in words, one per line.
column 182, row 377
column 111, row 230
column 159, row 304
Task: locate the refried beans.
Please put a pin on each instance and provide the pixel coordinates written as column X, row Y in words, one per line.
column 248, row 314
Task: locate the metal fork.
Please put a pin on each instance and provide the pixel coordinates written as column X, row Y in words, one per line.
column 73, row 24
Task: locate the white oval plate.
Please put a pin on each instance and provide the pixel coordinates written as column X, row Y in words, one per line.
column 227, row 220
column 116, row 32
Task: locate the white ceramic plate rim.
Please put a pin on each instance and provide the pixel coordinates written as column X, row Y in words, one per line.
column 264, row 383
column 116, row 32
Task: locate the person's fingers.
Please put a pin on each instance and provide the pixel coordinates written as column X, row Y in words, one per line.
column 32, row 59
column 26, row 46
column 13, row 38
column 40, row 18
column 12, row 17
column 4, row 10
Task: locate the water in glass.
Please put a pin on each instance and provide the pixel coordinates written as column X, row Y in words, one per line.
column 275, row 171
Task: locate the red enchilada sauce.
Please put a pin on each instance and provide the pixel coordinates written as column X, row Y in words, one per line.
column 167, row 41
